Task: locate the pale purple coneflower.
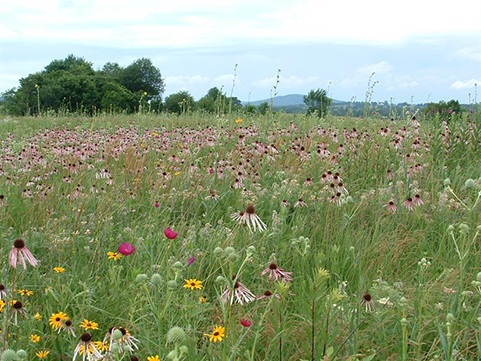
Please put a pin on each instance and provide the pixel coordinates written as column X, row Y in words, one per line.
column 409, row 204
column 250, row 218
column 391, row 207
column 126, row 342
column 276, row 273
column 68, row 326
column 87, row 348
column 417, row 200
column 239, row 293
column 368, row 302
column 268, row 294
column 308, row 182
column 20, row 253
column 17, row 308
column 300, row 203
column 285, row 203
column 3, row 292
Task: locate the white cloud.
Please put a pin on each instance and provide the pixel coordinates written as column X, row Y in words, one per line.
column 290, row 82
column 459, row 84
column 184, row 80
column 123, row 23
column 382, row 67
column 226, row 80
column 469, row 52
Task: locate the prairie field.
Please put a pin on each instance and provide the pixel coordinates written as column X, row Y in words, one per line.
column 277, row 237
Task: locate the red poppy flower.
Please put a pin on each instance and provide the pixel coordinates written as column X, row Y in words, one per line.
column 170, row 234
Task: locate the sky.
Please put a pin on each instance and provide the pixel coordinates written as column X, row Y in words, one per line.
column 420, row 50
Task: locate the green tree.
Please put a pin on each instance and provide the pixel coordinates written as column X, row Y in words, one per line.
column 443, row 111
column 180, row 102
column 142, row 76
column 118, row 98
column 263, row 108
column 317, row 101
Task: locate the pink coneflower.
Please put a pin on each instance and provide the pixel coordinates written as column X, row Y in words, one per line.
column 156, row 205
column 250, row 218
column 68, row 325
column 3, row 292
column 300, row 203
column 20, row 253
column 285, row 203
column 268, row 294
column 417, row 200
column 212, row 195
column 87, row 348
column 409, row 204
column 245, row 323
column 391, row 207
column 126, row 249
column 17, row 308
column 308, row 182
column 237, row 294
column 368, row 302
column 276, row 273
column 170, row 234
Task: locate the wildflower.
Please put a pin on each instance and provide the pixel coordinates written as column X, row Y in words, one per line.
column 176, row 335
column 126, row 249
column 59, row 269
column 268, row 294
column 3, row 291
column 122, row 337
column 20, row 253
column 114, row 255
column 102, row 346
column 2, row 305
column 417, row 200
column 42, row 354
column 25, row 292
column 245, row 323
column 238, row 294
column 34, row 338
column 86, row 346
column 368, row 302
column 170, row 234
column 300, row 203
column 202, row 299
column 276, row 273
column 156, row 205
column 193, row 284
column 153, row 358
column 89, row 325
column 18, row 308
column 37, row 317
column 217, row 335
column 238, row 120
column 190, row 261
column 68, row 325
column 408, row 203
column 391, row 207
column 250, row 218
column 55, row 320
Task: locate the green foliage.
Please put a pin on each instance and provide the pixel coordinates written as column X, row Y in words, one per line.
column 317, row 101
column 444, row 111
column 72, row 85
column 180, row 102
column 263, row 108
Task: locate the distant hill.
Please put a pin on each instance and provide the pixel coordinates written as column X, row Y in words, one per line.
column 288, row 100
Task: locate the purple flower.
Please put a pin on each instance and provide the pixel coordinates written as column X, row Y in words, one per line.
column 190, row 261
column 126, row 249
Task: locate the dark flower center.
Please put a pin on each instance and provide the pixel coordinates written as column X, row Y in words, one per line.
column 57, row 319
column 17, row 305
column 250, row 209
column 68, row 323
column 86, row 337
column 123, row 330
column 268, row 293
column 134, row 358
column 19, row 243
column 272, row 266
column 367, row 297
column 2, row 288
column 216, row 333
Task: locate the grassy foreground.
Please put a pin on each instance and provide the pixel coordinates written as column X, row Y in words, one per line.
column 371, row 247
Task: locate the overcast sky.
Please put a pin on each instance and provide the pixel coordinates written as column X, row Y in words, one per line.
column 423, row 49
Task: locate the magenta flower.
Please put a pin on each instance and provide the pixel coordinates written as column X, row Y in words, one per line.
column 20, row 253
column 126, row 249
column 276, row 273
column 245, row 323
column 156, row 205
column 190, row 261
column 170, row 234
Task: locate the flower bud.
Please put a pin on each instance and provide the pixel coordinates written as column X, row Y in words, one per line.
column 251, row 249
column 117, row 335
column 9, row 355
column 22, row 354
column 447, row 182
column 176, row 335
column 470, row 183
column 141, row 278
column 463, row 227
column 220, row 279
column 177, row 265
column 232, row 257
column 156, row 279
column 172, row 284
column 183, row 349
column 228, row 251
column 450, row 317
column 218, row 251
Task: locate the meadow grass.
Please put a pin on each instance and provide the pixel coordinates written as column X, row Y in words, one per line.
column 370, row 281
